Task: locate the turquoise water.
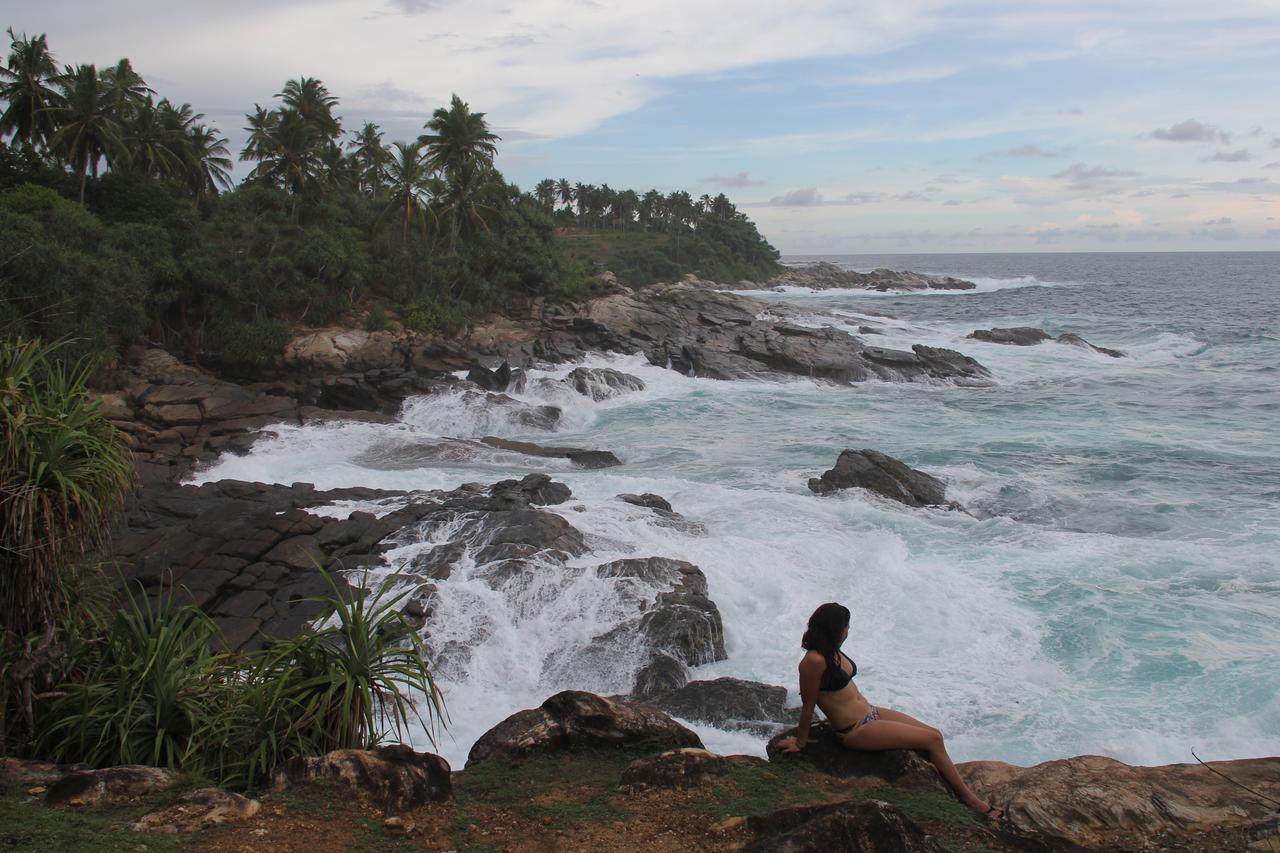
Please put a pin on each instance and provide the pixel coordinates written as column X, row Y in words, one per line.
column 1114, row 588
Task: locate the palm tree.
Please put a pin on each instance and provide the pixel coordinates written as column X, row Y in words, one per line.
column 545, row 192
column 208, row 161
column 565, row 190
column 262, row 128
column 151, row 143
column 371, row 157
column 410, row 184
column 287, row 153
column 582, row 195
column 128, row 89
column 458, row 138
column 309, row 98
column 26, row 88
column 468, row 200
column 626, row 205
column 87, row 120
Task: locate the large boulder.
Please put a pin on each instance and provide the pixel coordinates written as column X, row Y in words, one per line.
column 602, row 383
column 1073, row 340
column 1099, row 802
column 341, row 350
column 732, row 704
column 865, row 826
column 197, row 810
column 576, row 720
column 393, row 778
column 824, row 276
column 882, row 474
column 110, row 786
column 1019, row 336
column 824, row 752
column 682, row 768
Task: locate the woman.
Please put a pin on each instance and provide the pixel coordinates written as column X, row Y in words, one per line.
column 826, row 679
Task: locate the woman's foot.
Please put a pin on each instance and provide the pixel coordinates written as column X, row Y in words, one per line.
column 992, row 814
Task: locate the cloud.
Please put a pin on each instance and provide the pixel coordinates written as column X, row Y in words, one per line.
column 1275, row 143
column 1080, row 176
column 1240, row 156
column 1222, row 220
column 889, row 77
column 741, row 179
column 864, row 198
column 1027, row 150
column 1275, row 165
column 807, row 197
column 414, row 7
column 1073, row 111
column 1190, row 131
column 951, row 202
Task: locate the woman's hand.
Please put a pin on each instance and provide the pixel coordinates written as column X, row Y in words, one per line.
column 790, row 744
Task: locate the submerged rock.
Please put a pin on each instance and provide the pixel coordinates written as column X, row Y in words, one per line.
column 1024, row 336
column 1076, row 341
column 882, row 474
column 393, row 778
column 575, row 720
column 860, row 826
column 578, row 456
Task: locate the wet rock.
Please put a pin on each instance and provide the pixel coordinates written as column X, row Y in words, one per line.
column 110, row 786
column 582, row 458
column 1020, row 336
column 197, row 810
column 1076, row 341
column 825, row 276
column 882, row 474
column 534, row 489
column 865, row 826
column 666, row 517
column 825, row 753
column 1099, row 802
column 648, row 500
column 602, row 383
column 491, row 380
column 681, row 768
column 732, row 704
column 394, row 778
column 575, row 720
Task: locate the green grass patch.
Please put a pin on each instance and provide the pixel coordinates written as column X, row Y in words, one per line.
column 504, row 783
column 756, row 790
column 37, row 828
column 922, row 804
column 596, row 809
column 373, row 837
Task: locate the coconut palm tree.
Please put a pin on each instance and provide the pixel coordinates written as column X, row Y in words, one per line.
column 468, row 201
column 128, row 89
column 288, row 155
column 309, row 98
column 371, row 157
column 649, row 210
column 410, row 185
column 262, row 128
column 87, row 118
column 458, row 138
column 545, row 192
column 153, row 149
column 208, row 161
column 27, row 88
column 564, row 189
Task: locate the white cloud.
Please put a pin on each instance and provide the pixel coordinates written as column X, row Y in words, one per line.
column 1190, row 131
column 1240, row 156
column 741, row 179
column 807, row 197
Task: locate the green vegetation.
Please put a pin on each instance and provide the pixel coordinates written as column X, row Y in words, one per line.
column 119, row 223
column 32, row 828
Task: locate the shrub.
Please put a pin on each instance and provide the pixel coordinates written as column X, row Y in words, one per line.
column 376, row 320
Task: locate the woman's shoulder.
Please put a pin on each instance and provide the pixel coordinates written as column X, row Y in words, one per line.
column 812, row 659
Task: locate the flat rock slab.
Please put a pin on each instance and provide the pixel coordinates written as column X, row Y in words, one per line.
column 197, row 810
column 394, row 778
column 576, row 720
column 110, row 786
column 682, row 768
column 578, row 456
column 866, row 826
column 825, row 753
column 1096, row 801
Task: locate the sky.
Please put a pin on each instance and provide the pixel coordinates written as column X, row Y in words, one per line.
column 838, row 127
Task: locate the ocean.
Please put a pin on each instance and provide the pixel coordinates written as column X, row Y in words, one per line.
column 1114, row 587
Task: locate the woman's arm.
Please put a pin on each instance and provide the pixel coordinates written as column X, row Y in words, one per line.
column 811, row 668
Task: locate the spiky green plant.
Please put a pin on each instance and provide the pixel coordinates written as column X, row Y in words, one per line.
column 64, row 472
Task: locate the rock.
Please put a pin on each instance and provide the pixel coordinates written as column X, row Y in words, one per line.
column 882, row 474
column 491, row 380
column 1076, row 341
column 1099, row 802
column 197, row 810
column 681, row 768
column 339, row 350
column 393, row 778
column 537, row 489
column 575, row 720
column 582, row 458
column 38, row 773
column 648, row 500
column 865, row 826
column 602, row 383
column 732, row 704
column 825, row 753
column 824, row 276
column 1019, row 336
column 110, row 786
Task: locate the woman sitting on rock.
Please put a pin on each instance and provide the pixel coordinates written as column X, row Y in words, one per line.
column 826, row 679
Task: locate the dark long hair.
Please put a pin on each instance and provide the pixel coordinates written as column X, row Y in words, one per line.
column 825, row 627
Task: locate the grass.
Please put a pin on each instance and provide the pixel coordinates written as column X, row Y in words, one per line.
column 756, row 790
column 596, row 809
column 502, row 783
column 922, row 804
column 37, row 828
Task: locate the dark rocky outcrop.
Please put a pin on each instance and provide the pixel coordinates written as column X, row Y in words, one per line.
column 582, row 458
column 647, row 500
column 718, row 335
column 825, row 276
column 1099, row 802
column 393, row 778
column 666, row 517
column 824, row 752
column 197, row 810
column 681, row 768
column 246, row 553
column 1024, row 336
column 575, row 720
column 884, row 475
column 602, row 383
column 862, row 826
column 732, row 704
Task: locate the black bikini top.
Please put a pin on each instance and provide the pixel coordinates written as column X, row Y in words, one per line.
column 834, row 677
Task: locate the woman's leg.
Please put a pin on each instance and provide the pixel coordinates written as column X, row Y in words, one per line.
column 899, row 717
column 888, row 734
